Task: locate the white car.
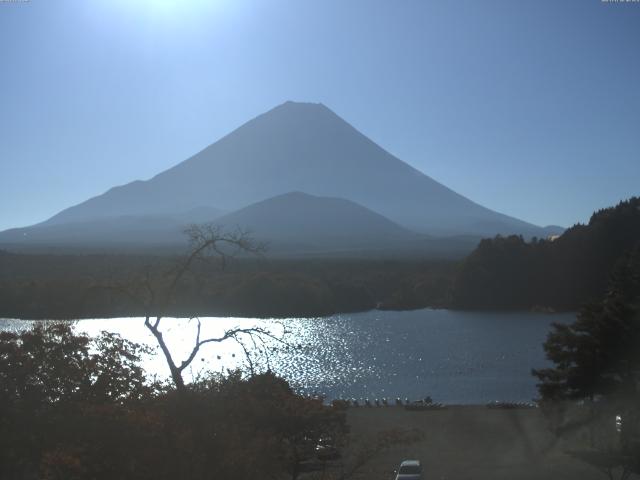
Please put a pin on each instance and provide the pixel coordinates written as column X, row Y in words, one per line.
column 410, row 470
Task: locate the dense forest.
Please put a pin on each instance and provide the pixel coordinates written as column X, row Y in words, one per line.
column 82, row 286
column 502, row 273
column 560, row 273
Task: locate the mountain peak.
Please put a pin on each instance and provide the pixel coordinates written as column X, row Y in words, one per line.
column 294, row 104
column 301, row 147
column 291, row 107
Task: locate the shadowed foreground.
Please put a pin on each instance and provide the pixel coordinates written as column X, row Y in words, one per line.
column 469, row 443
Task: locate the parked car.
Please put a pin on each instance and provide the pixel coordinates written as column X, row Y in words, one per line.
column 326, row 449
column 409, row 470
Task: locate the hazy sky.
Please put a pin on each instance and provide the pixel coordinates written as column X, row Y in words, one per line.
column 531, row 108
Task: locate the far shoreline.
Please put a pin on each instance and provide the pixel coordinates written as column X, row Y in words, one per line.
column 293, row 316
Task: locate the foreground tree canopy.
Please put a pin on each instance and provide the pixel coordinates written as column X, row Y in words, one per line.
column 75, row 408
column 597, row 364
column 599, row 354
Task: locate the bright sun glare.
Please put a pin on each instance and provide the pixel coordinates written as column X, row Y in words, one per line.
column 166, row 10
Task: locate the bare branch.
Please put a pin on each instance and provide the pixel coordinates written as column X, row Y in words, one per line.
column 185, row 363
column 247, row 354
column 154, row 296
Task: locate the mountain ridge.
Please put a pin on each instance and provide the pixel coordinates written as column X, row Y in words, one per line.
column 300, row 147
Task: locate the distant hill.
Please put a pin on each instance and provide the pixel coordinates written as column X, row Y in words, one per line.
column 510, row 273
column 128, row 231
column 292, row 224
column 142, row 230
column 308, row 148
column 300, row 224
column 199, row 214
column 307, row 222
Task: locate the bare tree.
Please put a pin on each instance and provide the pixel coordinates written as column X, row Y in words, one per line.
column 155, row 293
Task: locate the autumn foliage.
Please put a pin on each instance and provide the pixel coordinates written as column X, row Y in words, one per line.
column 72, row 407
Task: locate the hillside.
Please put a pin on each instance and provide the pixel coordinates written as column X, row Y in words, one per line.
column 308, row 222
column 292, row 225
column 510, row 273
column 123, row 231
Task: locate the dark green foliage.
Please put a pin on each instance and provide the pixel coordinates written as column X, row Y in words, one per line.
column 58, row 390
column 599, row 354
column 597, row 361
column 51, row 365
column 67, row 286
column 76, row 408
column 560, row 274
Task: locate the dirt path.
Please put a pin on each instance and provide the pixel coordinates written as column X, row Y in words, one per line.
column 469, row 443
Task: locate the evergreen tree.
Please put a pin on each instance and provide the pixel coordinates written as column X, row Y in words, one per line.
column 597, row 358
column 599, row 354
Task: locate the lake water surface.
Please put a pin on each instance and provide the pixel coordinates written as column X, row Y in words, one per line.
column 455, row 357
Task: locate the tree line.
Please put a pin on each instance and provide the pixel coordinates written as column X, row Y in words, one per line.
column 64, row 286
column 593, row 386
column 550, row 274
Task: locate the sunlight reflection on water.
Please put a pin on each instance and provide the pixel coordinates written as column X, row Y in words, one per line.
column 455, row 357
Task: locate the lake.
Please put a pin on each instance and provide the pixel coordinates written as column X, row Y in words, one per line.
column 453, row 356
